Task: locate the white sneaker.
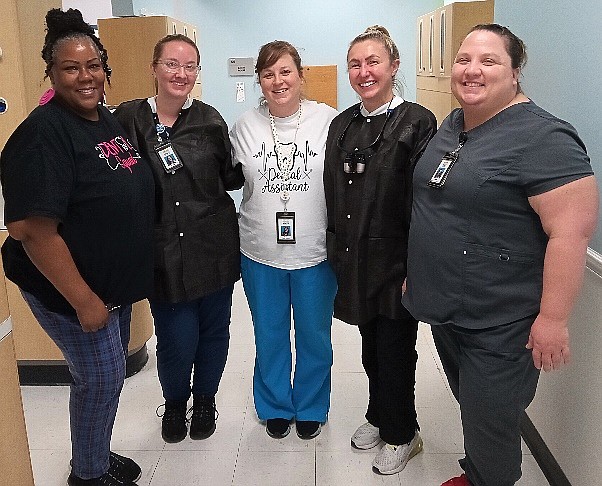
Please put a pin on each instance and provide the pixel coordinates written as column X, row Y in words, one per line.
column 365, row 437
column 392, row 459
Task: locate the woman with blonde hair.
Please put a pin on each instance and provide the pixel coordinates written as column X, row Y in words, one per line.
column 371, row 152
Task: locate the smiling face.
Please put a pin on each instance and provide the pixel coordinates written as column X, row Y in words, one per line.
column 281, row 86
column 371, row 72
column 77, row 76
column 180, row 83
column 482, row 78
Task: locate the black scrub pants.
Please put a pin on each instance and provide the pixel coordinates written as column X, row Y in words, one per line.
column 389, row 357
column 493, row 377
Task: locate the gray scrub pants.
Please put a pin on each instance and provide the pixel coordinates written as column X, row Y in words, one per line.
column 492, row 376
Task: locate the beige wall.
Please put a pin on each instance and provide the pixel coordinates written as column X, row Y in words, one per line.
column 567, row 410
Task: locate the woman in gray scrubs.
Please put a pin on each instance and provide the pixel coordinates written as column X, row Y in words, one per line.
column 505, row 202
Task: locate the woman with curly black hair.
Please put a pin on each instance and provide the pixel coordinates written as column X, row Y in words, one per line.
column 79, row 212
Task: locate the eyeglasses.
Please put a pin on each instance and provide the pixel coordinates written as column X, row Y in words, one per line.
column 174, row 67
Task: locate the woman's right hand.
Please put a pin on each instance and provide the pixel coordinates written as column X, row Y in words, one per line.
column 50, row 254
column 92, row 314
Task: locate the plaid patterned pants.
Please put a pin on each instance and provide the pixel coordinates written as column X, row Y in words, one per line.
column 96, row 361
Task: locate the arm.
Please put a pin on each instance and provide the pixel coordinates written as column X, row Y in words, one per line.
column 230, row 171
column 568, row 215
column 49, row 253
column 426, row 129
column 328, row 177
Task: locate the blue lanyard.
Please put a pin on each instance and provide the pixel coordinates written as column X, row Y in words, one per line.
column 160, row 128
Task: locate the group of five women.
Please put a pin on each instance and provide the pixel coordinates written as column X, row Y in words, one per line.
column 324, row 229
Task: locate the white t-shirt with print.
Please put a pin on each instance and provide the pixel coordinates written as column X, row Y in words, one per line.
column 253, row 146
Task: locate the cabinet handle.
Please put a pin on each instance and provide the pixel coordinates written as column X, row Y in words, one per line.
column 420, row 44
column 431, row 42
column 442, row 45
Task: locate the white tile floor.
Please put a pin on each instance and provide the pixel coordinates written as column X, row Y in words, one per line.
column 240, row 453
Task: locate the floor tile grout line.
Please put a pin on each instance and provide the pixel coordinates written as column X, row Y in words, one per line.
column 242, row 430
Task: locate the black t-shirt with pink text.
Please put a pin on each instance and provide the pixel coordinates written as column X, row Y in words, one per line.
column 86, row 175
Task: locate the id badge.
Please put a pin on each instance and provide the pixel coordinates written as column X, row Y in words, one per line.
column 285, row 227
column 440, row 175
column 168, row 157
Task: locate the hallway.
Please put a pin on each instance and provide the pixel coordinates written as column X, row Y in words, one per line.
column 240, row 453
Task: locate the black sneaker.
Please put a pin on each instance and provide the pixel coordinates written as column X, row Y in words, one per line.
column 124, row 468
column 173, row 423
column 278, row 428
column 121, row 468
column 204, row 415
column 105, row 480
column 308, row 429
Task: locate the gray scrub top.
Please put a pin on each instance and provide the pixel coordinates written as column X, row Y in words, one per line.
column 476, row 247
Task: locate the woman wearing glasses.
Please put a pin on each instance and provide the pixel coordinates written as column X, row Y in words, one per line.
column 371, row 152
column 197, row 257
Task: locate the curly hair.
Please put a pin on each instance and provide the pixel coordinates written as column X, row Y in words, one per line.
column 70, row 25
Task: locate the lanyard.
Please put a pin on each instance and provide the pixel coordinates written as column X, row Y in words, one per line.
column 160, row 128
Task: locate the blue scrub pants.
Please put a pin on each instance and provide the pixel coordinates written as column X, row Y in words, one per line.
column 193, row 334
column 97, row 362
column 271, row 292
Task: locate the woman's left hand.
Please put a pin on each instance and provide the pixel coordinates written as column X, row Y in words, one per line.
column 568, row 215
column 549, row 343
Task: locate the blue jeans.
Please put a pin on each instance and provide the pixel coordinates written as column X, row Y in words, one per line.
column 271, row 292
column 192, row 335
column 96, row 361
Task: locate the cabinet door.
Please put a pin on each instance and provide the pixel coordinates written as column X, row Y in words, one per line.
column 440, row 103
column 456, row 21
column 15, row 462
column 129, row 42
column 420, row 52
column 430, row 51
column 443, row 41
column 425, row 45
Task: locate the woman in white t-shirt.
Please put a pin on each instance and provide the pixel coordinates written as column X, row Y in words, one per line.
column 280, row 145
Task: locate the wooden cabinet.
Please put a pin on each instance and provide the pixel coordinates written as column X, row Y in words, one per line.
column 129, row 42
column 21, row 66
column 439, row 35
column 15, row 462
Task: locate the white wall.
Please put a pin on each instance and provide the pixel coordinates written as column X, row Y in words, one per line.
column 567, row 410
column 563, row 76
column 91, row 9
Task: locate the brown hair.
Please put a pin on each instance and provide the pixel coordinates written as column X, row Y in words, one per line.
column 158, row 50
column 515, row 47
column 272, row 51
